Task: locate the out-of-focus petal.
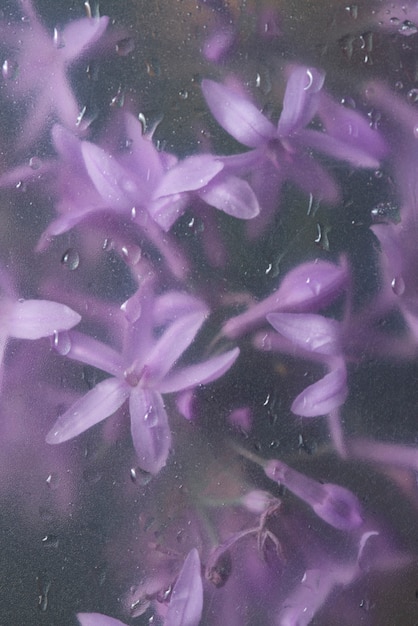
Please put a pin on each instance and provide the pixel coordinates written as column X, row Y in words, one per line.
column 308, row 331
column 199, row 374
column 150, row 431
column 237, row 115
column 103, row 400
column 339, row 149
column 186, row 603
column 113, row 182
column 323, row 396
column 193, row 173
column 95, row 353
column 231, row 195
column 301, row 99
column 169, row 348
column 97, row 619
column 79, row 35
column 33, row 319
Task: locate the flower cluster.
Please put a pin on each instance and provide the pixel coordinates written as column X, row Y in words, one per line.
column 237, row 365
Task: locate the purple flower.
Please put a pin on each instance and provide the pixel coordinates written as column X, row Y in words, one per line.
column 142, row 372
column 335, row 505
column 281, row 152
column 37, row 71
column 307, row 288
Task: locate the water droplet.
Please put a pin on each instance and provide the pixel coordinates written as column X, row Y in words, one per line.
column 125, row 46
column 92, row 475
column 386, row 213
column 184, row 94
column 399, row 85
column 412, row 96
column 58, row 38
column 398, row 285
column 53, row 481
column 140, row 476
column 407, row 28
column 118, row 99
column 9, row 69
column 44, row 585
column 35, row 163
column 62, row 342
column 310, row 80
column 71, row 259
column 107, row 244
column 132, row 254
column 50, row 541
column 132, row 310
column 352, row 10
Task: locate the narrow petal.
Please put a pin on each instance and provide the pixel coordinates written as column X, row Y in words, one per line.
column 94, row 407
column 231, row 195
column 237, row 115
column 186, row 603
column 150, row 431
column 33, row 319
column 95, row 353
column 97, row 619
column 310, row 332
column 199, row 374
column 79, row 35
column 301, row 99
column 351, row 152
column 190, row 174
column 323, row 396
column 114, row 184
column 169, row 348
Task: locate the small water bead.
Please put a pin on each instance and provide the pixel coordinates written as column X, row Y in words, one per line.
column 398, row 286
column 412, row 95
column 140, row 476
column 9, row 69
column 125, row 46
column 58, row 38
column 62, row 342
column 35, row 163
column 408, row 28
column 70, row 259
column 53, row 481
column 50, row 541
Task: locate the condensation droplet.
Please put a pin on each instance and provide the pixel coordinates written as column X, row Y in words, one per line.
column 398, row 285
column 53, row 481
column 35, row 163
column 44, row 585
column 412, row 95
column 71, row 259
column 58, row 38
column 62, row 342
column 408, row 28
column 140, row 476
column 184, row 94
column 125, row 46
column 92, row 475
column 9, row 69
column 50, row 541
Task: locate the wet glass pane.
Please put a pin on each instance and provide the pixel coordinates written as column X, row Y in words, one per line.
column 209, row 313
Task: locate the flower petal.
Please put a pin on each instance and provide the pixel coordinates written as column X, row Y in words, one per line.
column 199, row 374
column 33, row 319
column 190, row 174
column 231, row 195
column 237, row 115
column 169, row 348
column 323, row 396
column 97, row 619
column 150, row 431
column 186, row 603
column 300, row 100
column 308, row 331
column 103, row 400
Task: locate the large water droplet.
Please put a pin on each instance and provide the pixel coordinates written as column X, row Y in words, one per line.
column 398, row 285
column 412, row 95
column 71, row 259
column 9, row 69
column 140, row 476
column 62, row 342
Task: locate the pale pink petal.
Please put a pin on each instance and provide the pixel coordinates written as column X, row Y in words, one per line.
column 103, row 400
column 33, row 319
column 237, row 115
column 191, row 174
column 186, row 602
column 199, row 374
column 231, row 195
column 323, row 396
column 301, row 99
column 97, row 619
column 150, row 431
column 308, row 331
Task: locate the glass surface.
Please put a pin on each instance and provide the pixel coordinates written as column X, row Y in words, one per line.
column 209, row 328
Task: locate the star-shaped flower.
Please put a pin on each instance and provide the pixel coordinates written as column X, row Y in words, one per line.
column 143, row 372
column 36, row 70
